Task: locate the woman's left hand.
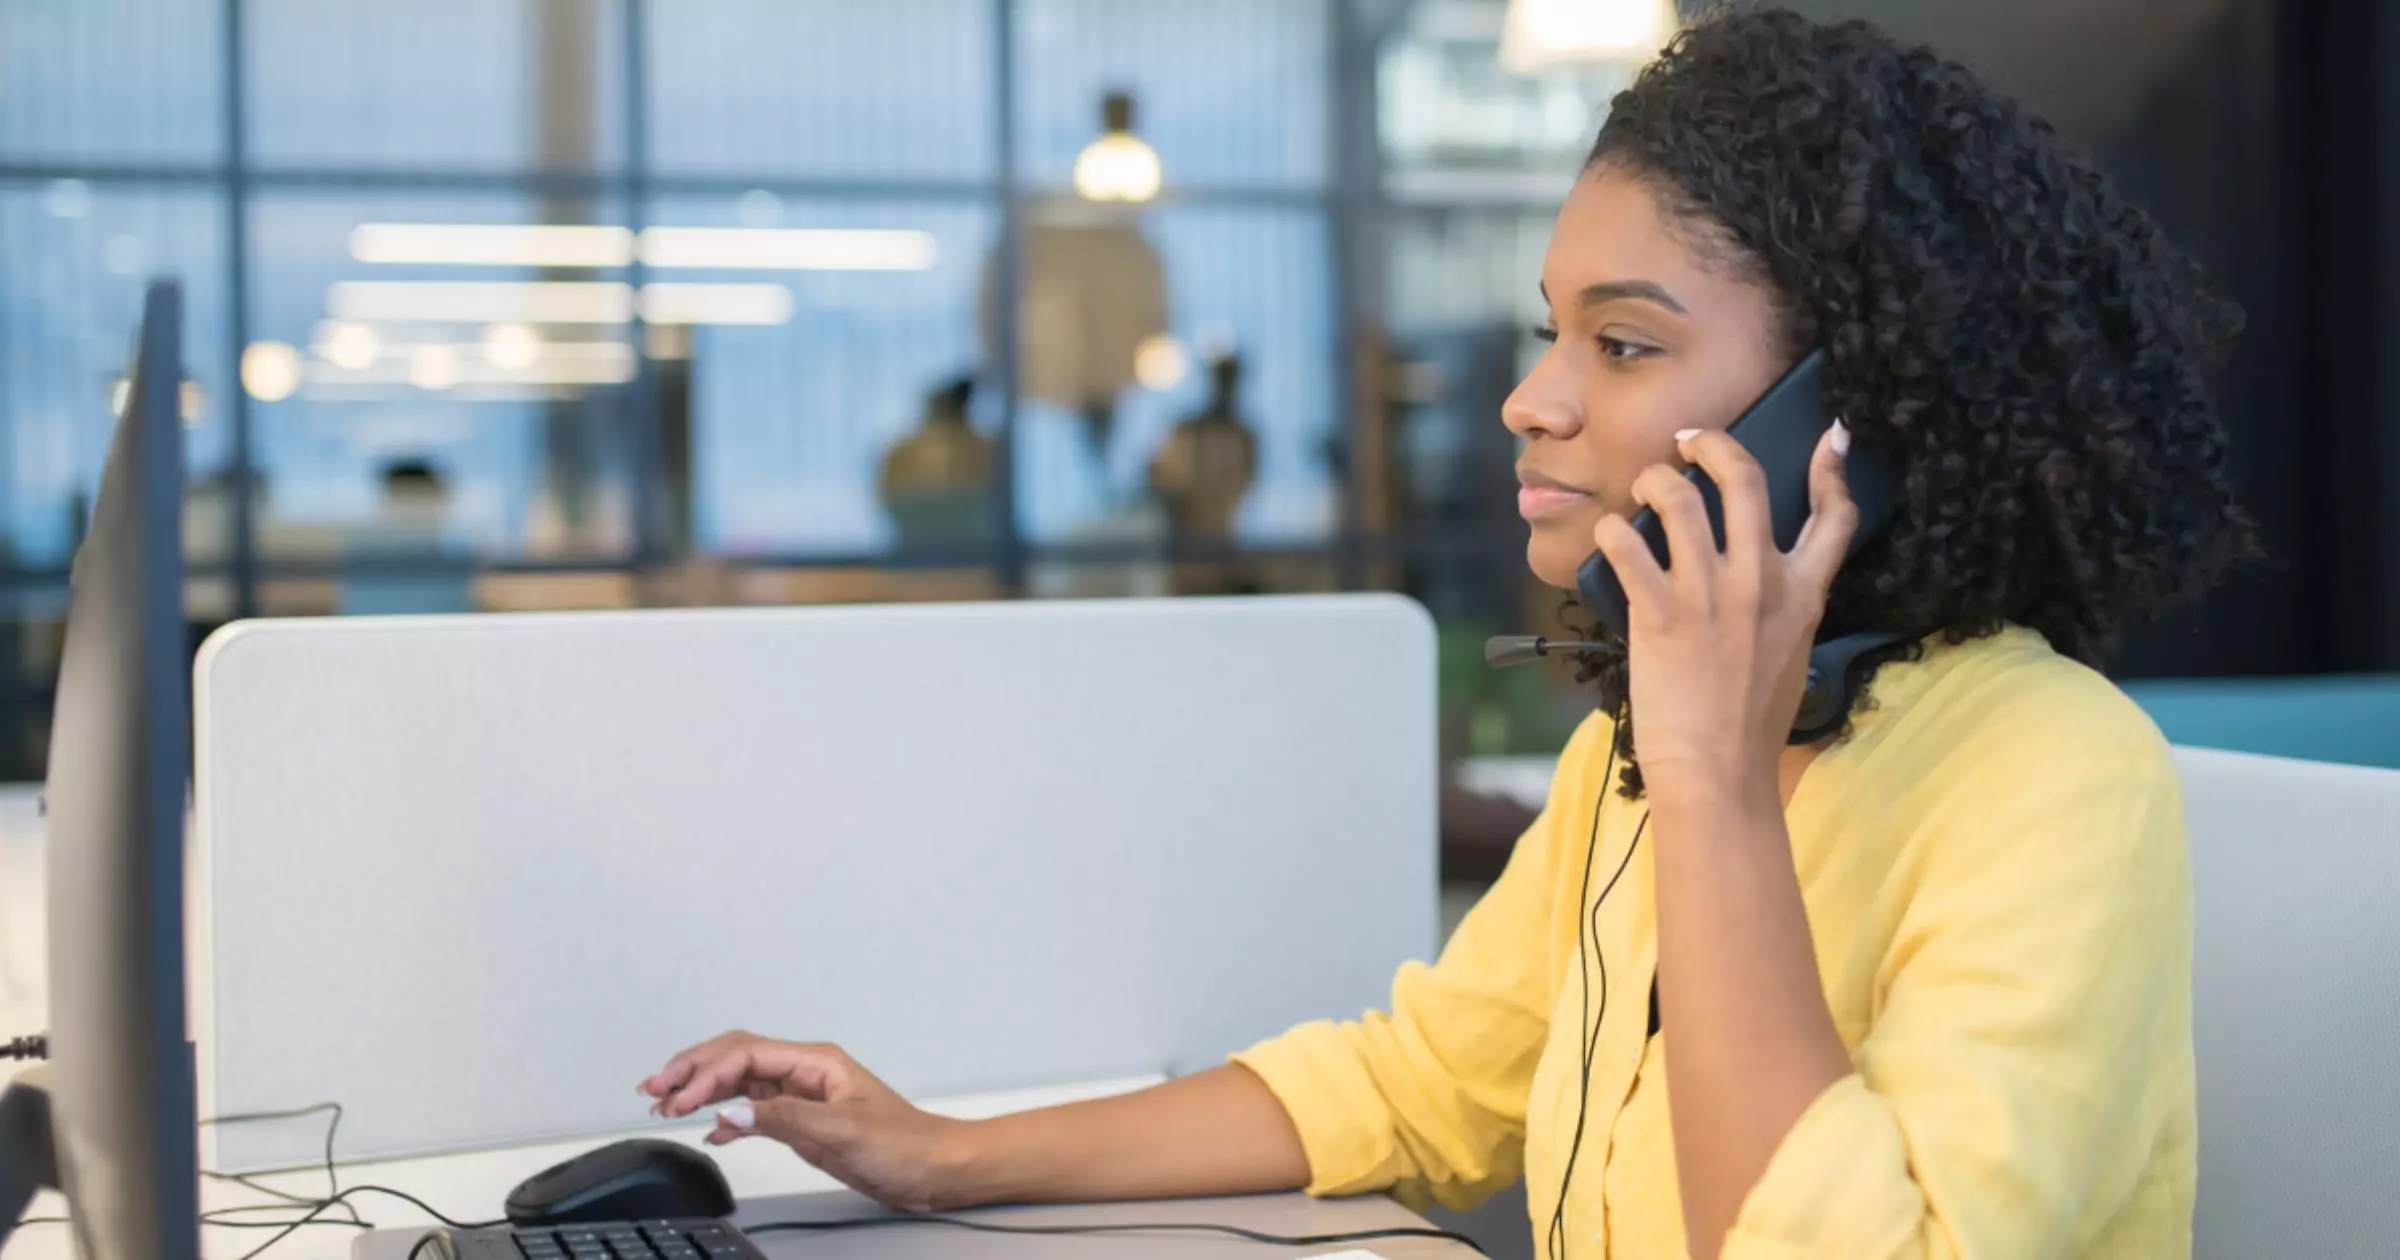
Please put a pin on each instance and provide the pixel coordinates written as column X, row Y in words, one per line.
column 1719, row 642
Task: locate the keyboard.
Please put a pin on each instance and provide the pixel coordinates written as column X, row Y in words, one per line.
column 699, row 1239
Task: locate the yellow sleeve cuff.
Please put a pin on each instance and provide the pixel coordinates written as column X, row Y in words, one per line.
column 1344, row 1124
column 1838, row 1185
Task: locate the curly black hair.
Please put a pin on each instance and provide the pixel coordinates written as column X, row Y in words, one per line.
column 2024, row 343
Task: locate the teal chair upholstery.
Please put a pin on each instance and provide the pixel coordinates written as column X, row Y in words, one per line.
column 2353, row 720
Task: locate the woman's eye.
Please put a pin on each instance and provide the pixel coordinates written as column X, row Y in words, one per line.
column 1545, row 333
column 1616, row 348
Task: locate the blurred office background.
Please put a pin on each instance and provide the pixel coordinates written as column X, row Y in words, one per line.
column 517, row 304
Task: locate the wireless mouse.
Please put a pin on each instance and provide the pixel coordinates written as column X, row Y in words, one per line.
column 636, row 1180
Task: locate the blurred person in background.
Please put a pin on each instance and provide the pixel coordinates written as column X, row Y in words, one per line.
column 403, row 560
column 1920, row 989
column 1202, row 473
column 937, row 481
column 416, row 503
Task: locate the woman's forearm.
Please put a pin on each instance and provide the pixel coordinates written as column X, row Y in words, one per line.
column 1215, row 1132
column 1740, row 1000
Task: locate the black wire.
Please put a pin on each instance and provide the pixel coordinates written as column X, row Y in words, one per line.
column 333, row 1181
column 1164, row 1227
column 428, row 1238
column 215, row 1216
column 309, row 1223
column 344, row 1196
column 288, row 1230
column 210, row 1219
column 289, row 1200
column 420, row 1205
column 240, row 1208
column 335, row 1195
column 1555, row 1239
column 341, row 1198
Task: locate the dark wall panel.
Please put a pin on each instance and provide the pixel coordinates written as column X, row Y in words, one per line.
column 2258, row 132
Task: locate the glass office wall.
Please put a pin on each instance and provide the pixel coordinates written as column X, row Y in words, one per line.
column 509, row 304
column 539, row 303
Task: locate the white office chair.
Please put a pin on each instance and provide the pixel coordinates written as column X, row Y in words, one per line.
column 2296, row 1005
column 2296, row 998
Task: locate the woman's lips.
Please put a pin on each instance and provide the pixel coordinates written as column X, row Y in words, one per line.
column 1542, row 502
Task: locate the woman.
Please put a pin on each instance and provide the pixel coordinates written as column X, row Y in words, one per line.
column 1921, row 989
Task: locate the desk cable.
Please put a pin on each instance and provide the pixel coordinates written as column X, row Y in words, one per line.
column 313, row 1211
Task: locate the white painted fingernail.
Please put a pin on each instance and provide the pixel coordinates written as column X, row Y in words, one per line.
column 1685, row 435
column 1841, row 438
column 740, row 1113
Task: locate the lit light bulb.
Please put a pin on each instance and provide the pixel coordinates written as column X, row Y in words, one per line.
column 1117, row 166
column 511, row 347
column 433, row 367
column 270, row 370
column 350, row 346
column 1538, row 34
column 191, row 402
column 1160, row 363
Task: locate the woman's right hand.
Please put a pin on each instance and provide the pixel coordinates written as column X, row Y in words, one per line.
column 835, row 1114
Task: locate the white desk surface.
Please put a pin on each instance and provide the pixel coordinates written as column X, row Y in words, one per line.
column 465, row 1186
column 764, row 1175
column 1283, row 1215
column 470, row 1186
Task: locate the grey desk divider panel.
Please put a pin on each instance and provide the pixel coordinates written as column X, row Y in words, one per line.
column 473, row 877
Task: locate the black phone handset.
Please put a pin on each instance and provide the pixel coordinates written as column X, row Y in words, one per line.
column 1781, row 431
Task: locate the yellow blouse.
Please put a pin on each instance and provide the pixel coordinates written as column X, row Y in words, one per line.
column 1996, row 878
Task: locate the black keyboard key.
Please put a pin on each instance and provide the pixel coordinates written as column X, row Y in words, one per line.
column 696, row 1239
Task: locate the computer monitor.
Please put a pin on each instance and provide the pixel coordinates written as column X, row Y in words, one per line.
column 121, row 1104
